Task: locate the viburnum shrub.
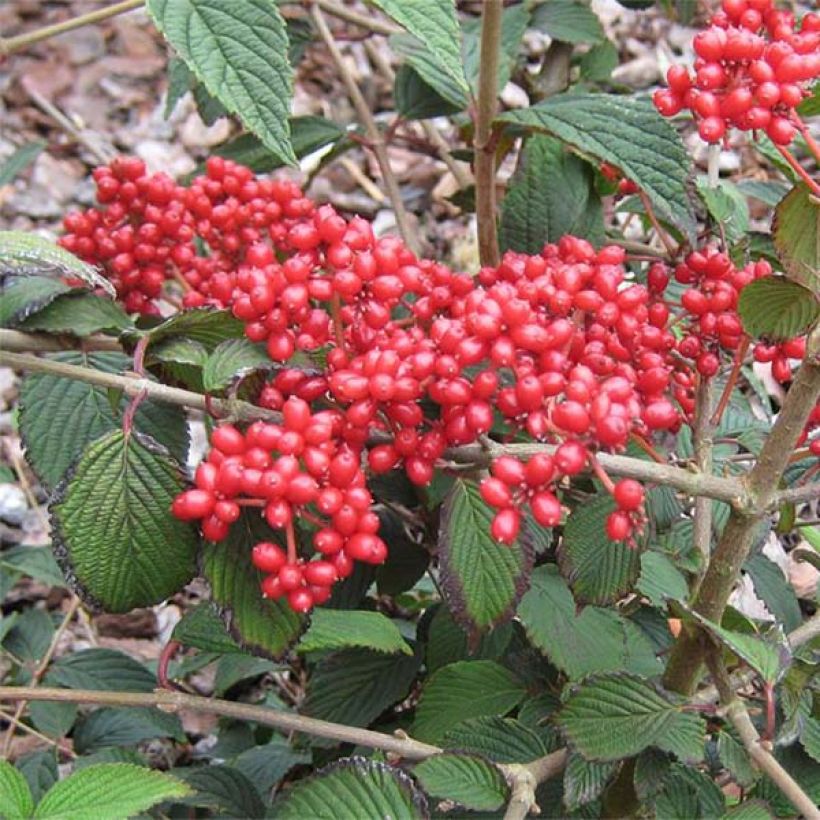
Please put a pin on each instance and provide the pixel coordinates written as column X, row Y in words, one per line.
column 503, row 510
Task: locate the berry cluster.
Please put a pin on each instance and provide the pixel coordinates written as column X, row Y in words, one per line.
column 752, row 69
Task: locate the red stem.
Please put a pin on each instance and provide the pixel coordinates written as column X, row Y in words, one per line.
column 165, row 658
column 603, row 477
column 291, row 538
column 798, row 169
column 810, row 141
column 740, row 354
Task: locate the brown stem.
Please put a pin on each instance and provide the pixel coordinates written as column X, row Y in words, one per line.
column 483, row 144
column 737, row 364
column 374, row 135
column 366, row 21
column 671, row 249
column 735, row 543
column 12, row 44
column 798, row 169
column 16, row 341
column 702, row 439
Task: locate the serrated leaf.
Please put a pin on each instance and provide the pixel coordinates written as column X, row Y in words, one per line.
column 551, row 194
column 113, row 532
column 502, row 740
column 434, row 23
column 19, row 160
column 59, row 416
column 688, row 792
column 205, row 325
column 108, row 790
column 599, row 62
column 652, row 767
column 239, row 52
column 99, row 668
column 16, row 802
column 40, row 771
column 736, row 759
column 598, row 570
column 464, row 690
column 78, row 315
column 339, row 629
column 661, row 580
column 482, row 580
column 29, row 254
column 180, row 82
column 810, row 738
column 36, row 562
column 202, row 628
column 235, row 667
column 23, row 296
column 223, row 788
column 465, row 779
column 352, row 789
column 617, row 716
column 266, row 765
column 571, row 21
column 415, row 54
column 407, row 560
column 628, row 133
column 514, row 22
column 261, row 626
column 585, row 781
column 30, row 636
column 124, row 727
column 231, row 361
column 775, row 591
column 768, row 191
column 726, row 205
column 448, row 642
column 796, row 230
column 307, row 134
column 750, row 810
column 777, row 308
column 418, row 100
column 354, row 686
column 594, row 640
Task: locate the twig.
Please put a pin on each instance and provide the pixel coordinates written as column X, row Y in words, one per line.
column 671, row 250
column 374, row 136
column 483, row 144
column 702, row 440
column 525, row 778
column 362, row 180
column 796, row 495
column 17, row 341
column 798, row 169
column 41, row 669
column 713, row 166
column 364, row 20
column 30, row 730
column 21, row 41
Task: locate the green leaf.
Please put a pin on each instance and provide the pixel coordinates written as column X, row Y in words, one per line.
column 726, row 205
column 105, row 669
column 262, row 626
column 661, row 580
column 768, row 191
column 239, row 52
column 598, row 570
column 571, row 21
column 551, row 194
column 60, row 417
column 595, row 640
column 19, row 160
column 36, row 562
column 231, row 361
column 29, row 254
column 585, row 781
column 419, row 57
column 308, row 134
column 416, row 99
column 204, row 325
column 223, row 788
column 434, row 23
column 736, row 759
column 777, row 308
column 775, row 591
column 15, row 796
column 109, row 790
column 514, row 22
column 810, row 738
column 355, row 686
column 465, row 779
column 180, row 360
column 626, row 132
column 448, row 642
column 750, row 810
column 30, row 636
column 339, row 629
column 202, row 628
column 407, row 561
column 266, row 765
column 235, row 667
column 124, row 727
column 353, row 789
column 502, row 740
column 617, row 716
column 482, row 580
column 688, row 792
column 23, row 296
column 113, row 533
column 180, row 82
column 796, row 230
column 599, row 62
column 79, row 314
column 652, row 768
column 40, row 771
column 464, row 690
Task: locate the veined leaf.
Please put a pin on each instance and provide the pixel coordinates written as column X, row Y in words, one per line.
column 777, row 308
column 16, row 802
column 796, row 231
column 339, row 629
column 467, row 780
column 571, row 21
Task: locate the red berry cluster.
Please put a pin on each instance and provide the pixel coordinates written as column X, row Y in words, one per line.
column 752, row 69
column 299, row 469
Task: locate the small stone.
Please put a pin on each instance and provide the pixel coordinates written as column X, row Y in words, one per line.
column 13, row 504
column 83, row 45
column 513, row 96
column 195, row 134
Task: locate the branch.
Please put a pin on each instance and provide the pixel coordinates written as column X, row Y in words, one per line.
column 21, row 41
column 729, row 490
column 364, row 20
column 374, row 135
column 796, row 495
column 483, row 144
column 19, row 342
column 525, row 778
column 702, row 439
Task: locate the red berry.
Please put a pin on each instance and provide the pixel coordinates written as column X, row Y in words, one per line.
column 505, row 526
column 628, row 494
column 268, row 557
column 618, row 526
